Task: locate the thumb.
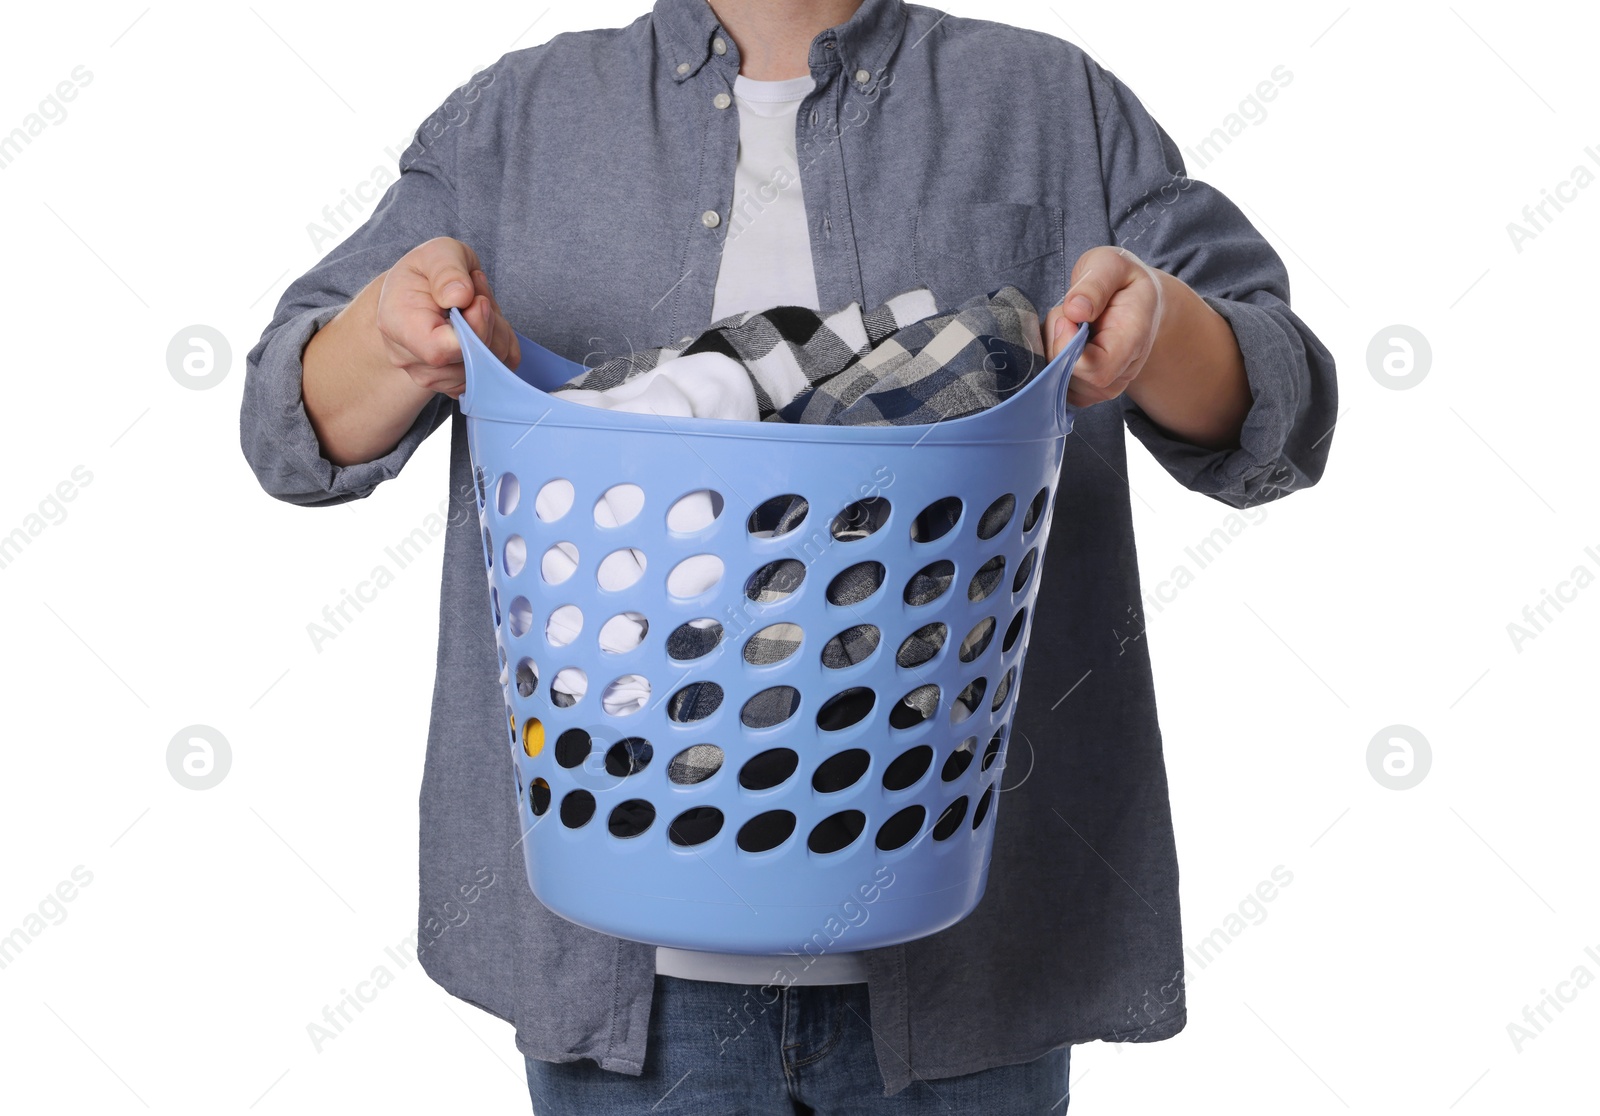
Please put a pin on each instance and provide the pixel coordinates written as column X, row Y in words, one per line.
column 452, row 286
column 1088, row 296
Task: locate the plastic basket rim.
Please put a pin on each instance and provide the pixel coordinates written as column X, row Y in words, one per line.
column 988, row 426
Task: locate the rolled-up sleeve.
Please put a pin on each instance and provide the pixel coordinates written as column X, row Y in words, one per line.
column 274, row 432
column 1193, row 231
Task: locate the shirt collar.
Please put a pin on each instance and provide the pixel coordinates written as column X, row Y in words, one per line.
column 861, row 43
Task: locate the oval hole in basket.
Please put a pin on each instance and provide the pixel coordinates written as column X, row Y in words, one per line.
column 577, row 808
column 836, row 832
column 991, row 752
column 533, row 736
column 694, row 639
column 631, row 818
column 521, row 616
column 694, row 702
column 842, row 771
column 694, row 512
column 1003, row 690
column 987, row 578
column 901, row 828
column 968, row 700
column 695, row 764
column 507, row 492
column 697, row 574
column 922, row 645
column 538, row 797
column 773, row 644
column 1024, row 570
column 959, row 759
column 568, row 687
column 768, row 769
column 767, row 831
column 554, row 500
column 527, row 677
column 853, row 645
column 853, row 585
column 772, row 706
column 623, row 632
column 778, row 516
column 775, row 581
column 621, row 569
column 628, row 756
column 618, row 505
column 936, row 520
column 559, row 562
column 915, row 708
column 930, row 582
column 573, row 747
column 977, row 640
column 908, row 768
column 564, row 625
column 983, row 806
column 951, row 819
column 996, row 516
column 860, row 519
column 846, row 708
column 1035, row 510
column 1014, row 631
column 695, row 826
column 625, row 695
column 516, row 555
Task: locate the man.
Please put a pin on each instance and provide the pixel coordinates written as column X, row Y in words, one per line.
column 596, row 179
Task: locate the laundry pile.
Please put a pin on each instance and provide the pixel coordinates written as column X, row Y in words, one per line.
column 902, row 363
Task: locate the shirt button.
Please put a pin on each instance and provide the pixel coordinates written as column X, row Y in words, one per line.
column 863, row 77
column 722, row 100
column 710, row 219
column 686, row 338
column 719, row 46
column 683, row 67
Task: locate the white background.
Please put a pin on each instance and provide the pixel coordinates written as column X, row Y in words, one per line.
column 217, row 925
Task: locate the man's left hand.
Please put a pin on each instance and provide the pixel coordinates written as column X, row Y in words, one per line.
column 1122, row 296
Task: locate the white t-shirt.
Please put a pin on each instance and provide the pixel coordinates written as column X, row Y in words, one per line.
column 766, row 262
column 766, row 252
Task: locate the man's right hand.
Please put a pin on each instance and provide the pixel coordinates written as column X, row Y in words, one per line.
column 413, row 314
column 371, row 370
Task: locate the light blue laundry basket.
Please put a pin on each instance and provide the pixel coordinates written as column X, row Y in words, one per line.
column 788, row 838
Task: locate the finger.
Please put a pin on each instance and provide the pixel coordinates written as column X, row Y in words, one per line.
column 1055, row 331
column 505, row 344
column 448, row 266
column 1096, row 278
column 417, row 333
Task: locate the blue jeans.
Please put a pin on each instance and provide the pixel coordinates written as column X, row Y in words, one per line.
column 724, row 1049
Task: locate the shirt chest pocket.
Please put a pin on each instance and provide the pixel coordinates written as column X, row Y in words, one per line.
column 963, row 249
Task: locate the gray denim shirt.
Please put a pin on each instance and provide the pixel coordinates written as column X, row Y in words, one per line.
column 594, row 176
